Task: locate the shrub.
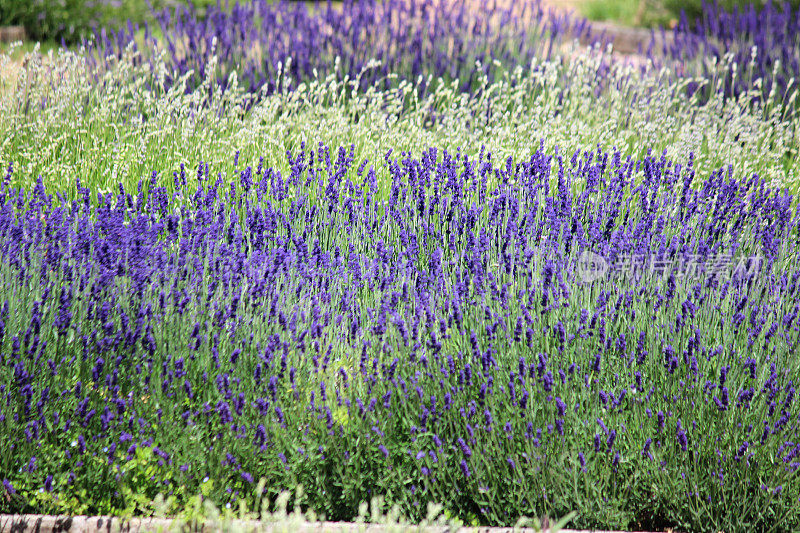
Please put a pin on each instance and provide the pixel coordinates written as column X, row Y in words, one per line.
column 71, row 21
column 763, row 43
column 419, row 327
column 61, row 123
column 264, row 42
column 59, row 20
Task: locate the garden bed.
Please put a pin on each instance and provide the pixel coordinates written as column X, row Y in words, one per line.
column 498, row 272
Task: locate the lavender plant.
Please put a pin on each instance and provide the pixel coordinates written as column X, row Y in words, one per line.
column 262, row 40
column 762, row 41
column 62, row 124
column 419, row 327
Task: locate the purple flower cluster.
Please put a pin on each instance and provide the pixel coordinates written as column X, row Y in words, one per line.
column 265, row 41
column 773, row 29
column 404, row 327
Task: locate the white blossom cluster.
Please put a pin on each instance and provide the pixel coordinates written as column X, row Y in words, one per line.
column 64, row 119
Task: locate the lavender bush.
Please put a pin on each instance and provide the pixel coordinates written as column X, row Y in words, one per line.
column 266, row 41
column 61, row 124
column 764, row 42
column 419, row 327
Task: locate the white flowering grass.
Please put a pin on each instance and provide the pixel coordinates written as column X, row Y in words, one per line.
column 61, row 121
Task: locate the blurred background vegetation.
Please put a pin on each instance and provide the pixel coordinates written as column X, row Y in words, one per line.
column 664, row 13
column 71, row 20
column 55, row 21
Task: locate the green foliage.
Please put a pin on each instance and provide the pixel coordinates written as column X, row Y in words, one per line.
column 52, row 20
column 73, row 20
column 628, row 12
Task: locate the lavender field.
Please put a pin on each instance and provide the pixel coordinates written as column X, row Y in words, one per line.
column 488, row 268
